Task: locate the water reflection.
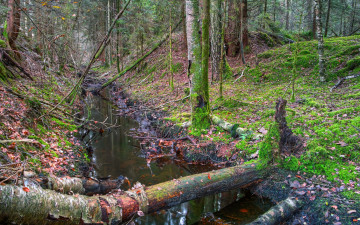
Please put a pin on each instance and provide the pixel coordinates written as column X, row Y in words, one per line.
column 116, row 153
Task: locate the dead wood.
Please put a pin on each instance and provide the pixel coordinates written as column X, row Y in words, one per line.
column 342, row 80
column 289, row 142
column 280, row 212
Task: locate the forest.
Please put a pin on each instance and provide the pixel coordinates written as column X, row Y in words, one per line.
column 180, row 112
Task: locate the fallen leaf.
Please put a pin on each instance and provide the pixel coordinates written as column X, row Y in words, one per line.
column 351, row 211
column 244, row 210
column 342, row 144
column 263, row 131
column 26, row 189
column 312, row 198
column 334, row 206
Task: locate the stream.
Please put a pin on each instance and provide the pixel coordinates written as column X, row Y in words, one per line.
column 117, row 153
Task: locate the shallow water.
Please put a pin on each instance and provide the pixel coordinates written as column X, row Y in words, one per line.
column 117, row 153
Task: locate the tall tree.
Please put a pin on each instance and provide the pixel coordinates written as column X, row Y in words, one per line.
column 320, row 40
column 197, row 69
column 215, row 12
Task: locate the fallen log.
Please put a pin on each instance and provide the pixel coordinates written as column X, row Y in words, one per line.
column 342, row 80
column 84, row 186
column 234, row 129
column 38, row 206
column 280, row 212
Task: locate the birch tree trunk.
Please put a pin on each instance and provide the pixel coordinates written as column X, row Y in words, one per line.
column 215, row 12
column 320, row 40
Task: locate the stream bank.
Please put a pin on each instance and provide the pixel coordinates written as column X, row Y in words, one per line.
column 143, row 149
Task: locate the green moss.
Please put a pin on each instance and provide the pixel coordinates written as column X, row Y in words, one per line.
column 266, row 54
column 351, row 195
column 65, row 124
column 4, row 73
column 313, row 103
column 5, row 34
column 200, row 119
column 292, row 163
column 268, row 40
column 270, row 145
column 350, row 50
column 2, row 44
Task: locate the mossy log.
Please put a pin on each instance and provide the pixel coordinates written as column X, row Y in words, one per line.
column 39, row 206
column 280, row 212
column 234, row 129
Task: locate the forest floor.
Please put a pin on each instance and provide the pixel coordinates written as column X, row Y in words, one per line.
column 33, row 141
column 326, row 172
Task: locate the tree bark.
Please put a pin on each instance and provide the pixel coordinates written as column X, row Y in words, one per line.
column 183, row 16
column 287, row 15
column 34, row 205
column 283, row 210
column 216, row 19
column 13, row 23
column 320, row 40
column 327, row 18
column 353, row 15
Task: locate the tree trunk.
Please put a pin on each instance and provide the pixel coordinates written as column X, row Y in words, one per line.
column 198, row 77
column 232, row 33
column 309, row 15
column 183, row 16
column 353, row 15
column 287, row 15
column 265, row 6
column 215, row 38
column 222, row 50
column 170, row 57
column 274, row 10
column 242, row 52
column 320, row 40
column 118, row 40
column 33, row 205
column 327, row 18
column 13, row 23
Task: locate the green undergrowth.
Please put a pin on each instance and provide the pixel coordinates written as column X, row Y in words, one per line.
column 328, row 122
column 342, row 57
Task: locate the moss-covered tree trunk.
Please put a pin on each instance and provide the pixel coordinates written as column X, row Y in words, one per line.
column 216, row 18
column 198, row 69
column 320, row 40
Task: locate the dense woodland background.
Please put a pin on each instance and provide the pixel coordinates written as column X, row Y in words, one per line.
column 216, row 70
